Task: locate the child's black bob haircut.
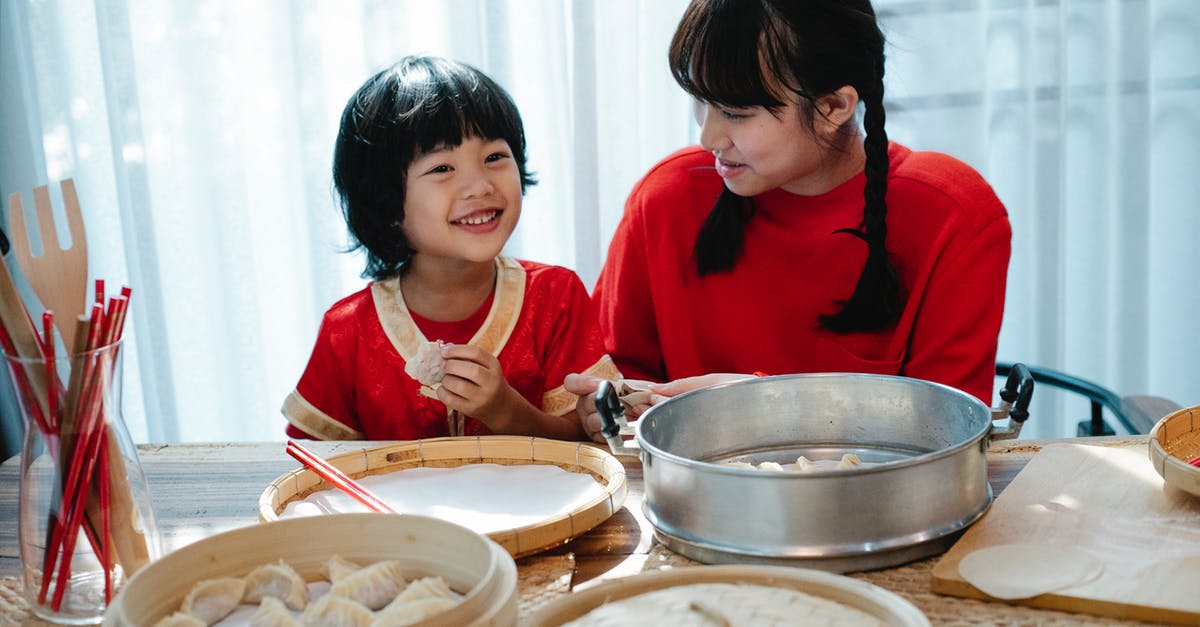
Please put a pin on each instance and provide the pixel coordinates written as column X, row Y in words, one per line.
column 418, row 104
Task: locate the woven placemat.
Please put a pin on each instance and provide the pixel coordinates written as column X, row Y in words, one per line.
column 14, row 610
column 541, row 579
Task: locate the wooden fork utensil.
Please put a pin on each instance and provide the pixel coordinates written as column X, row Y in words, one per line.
column 58, row 276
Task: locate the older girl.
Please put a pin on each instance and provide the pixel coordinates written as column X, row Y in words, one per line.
column 794, row 239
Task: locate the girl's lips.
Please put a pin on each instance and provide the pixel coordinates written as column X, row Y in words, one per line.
column 729, row 169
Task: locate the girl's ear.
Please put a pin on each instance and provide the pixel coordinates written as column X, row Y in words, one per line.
column 837, row 107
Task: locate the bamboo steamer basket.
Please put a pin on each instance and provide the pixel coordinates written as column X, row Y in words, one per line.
column 454, row 452
column 1174, row 441
column 879, row 603
column 470, row 563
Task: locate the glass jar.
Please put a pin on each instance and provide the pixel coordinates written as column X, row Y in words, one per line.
column 86, row 523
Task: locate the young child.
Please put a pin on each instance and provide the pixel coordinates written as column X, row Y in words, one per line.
column 430, row 168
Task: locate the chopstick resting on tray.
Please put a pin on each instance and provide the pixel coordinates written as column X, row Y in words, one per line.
column 337, row 478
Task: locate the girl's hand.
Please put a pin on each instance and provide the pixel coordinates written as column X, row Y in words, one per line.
column 475, row 386
column 663, row 391
column 585, row 386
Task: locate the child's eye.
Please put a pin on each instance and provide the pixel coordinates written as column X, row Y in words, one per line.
column 733, row 115
column 496, row 156
column 439, row 169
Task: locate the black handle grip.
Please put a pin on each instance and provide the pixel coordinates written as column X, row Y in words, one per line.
column 1018, row 391
column 609, row 407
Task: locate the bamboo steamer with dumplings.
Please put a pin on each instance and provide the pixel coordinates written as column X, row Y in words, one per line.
column 472, row 565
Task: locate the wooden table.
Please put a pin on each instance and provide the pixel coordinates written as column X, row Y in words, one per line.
column 203, row 489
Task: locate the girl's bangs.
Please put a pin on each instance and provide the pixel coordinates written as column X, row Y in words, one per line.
column 716, row 57
column 457, row 107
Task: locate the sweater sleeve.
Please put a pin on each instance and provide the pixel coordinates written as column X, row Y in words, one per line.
column 625, row 302
column 954, row 338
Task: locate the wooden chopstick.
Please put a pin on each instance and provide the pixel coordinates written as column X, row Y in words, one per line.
column 337, row 478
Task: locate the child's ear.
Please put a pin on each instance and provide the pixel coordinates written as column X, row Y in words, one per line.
column 838, row 107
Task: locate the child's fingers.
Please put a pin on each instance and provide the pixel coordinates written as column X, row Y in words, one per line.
column 466, row 352
column 471, row 371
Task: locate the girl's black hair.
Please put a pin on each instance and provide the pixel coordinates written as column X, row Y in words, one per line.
column 736, row 53
column 418, row 104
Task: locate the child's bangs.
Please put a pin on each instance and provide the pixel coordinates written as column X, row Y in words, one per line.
column 458, row 107
column 716, row 57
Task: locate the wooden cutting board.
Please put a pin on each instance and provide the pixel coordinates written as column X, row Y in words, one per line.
column 1110, row 503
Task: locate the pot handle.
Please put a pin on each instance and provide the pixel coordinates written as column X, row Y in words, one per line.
column 1015, row 397
column 612, row 419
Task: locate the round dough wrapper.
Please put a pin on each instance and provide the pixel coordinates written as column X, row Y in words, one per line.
column 1020, row 571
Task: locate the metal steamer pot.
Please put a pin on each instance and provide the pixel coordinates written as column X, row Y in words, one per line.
column 923, row 481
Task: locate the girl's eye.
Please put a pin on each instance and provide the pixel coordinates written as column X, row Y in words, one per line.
column 732, row 115
column 496, row 156
column 439, row 169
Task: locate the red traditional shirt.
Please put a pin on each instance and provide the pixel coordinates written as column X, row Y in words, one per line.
column 948, row 236
column 540, row 326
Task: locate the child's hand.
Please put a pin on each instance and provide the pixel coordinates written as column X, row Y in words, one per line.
column 474, row 385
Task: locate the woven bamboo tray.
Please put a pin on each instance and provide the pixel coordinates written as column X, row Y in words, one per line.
column 1173, row 442
column 455, row 452
column 886, row 606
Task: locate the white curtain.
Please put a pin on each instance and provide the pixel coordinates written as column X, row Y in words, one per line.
column 200, row 135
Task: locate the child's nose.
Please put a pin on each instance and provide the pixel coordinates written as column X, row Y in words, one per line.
column 479, row 185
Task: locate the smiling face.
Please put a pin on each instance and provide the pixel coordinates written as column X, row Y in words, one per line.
column 757, row 149
column 462, row 202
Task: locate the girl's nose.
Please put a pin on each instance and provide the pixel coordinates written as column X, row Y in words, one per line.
column 479, row 185
column 712, row 134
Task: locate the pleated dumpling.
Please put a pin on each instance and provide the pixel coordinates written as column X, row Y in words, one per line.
column 338, row 567
column 278, row 581
column 335, row 611
column 849, row 460
column 413, row 611
column 804, row 464
column 425, row 588
column 374, row 586
column 273, row 613
column 213, row 599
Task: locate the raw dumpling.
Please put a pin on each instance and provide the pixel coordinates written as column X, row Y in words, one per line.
column 335, row 611
column 213, row 599
column 425, row 588
column 427, row 366
column 413, row 611
column 338, row 567
column 179, row 619
column 279, row 581
column 771, row 466
column 804, row 464
column 849, row 460
column 272, row 613
column 374, row 586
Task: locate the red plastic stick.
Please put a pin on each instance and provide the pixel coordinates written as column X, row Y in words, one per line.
column 337, row 478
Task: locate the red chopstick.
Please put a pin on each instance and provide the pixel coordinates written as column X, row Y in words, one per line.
column 337, row 478
column 1195, row 461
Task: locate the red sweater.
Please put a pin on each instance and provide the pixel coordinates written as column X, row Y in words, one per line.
column 948, row 236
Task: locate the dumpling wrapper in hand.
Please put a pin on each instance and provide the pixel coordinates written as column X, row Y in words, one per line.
column 428, row 367
column 1020, row 571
